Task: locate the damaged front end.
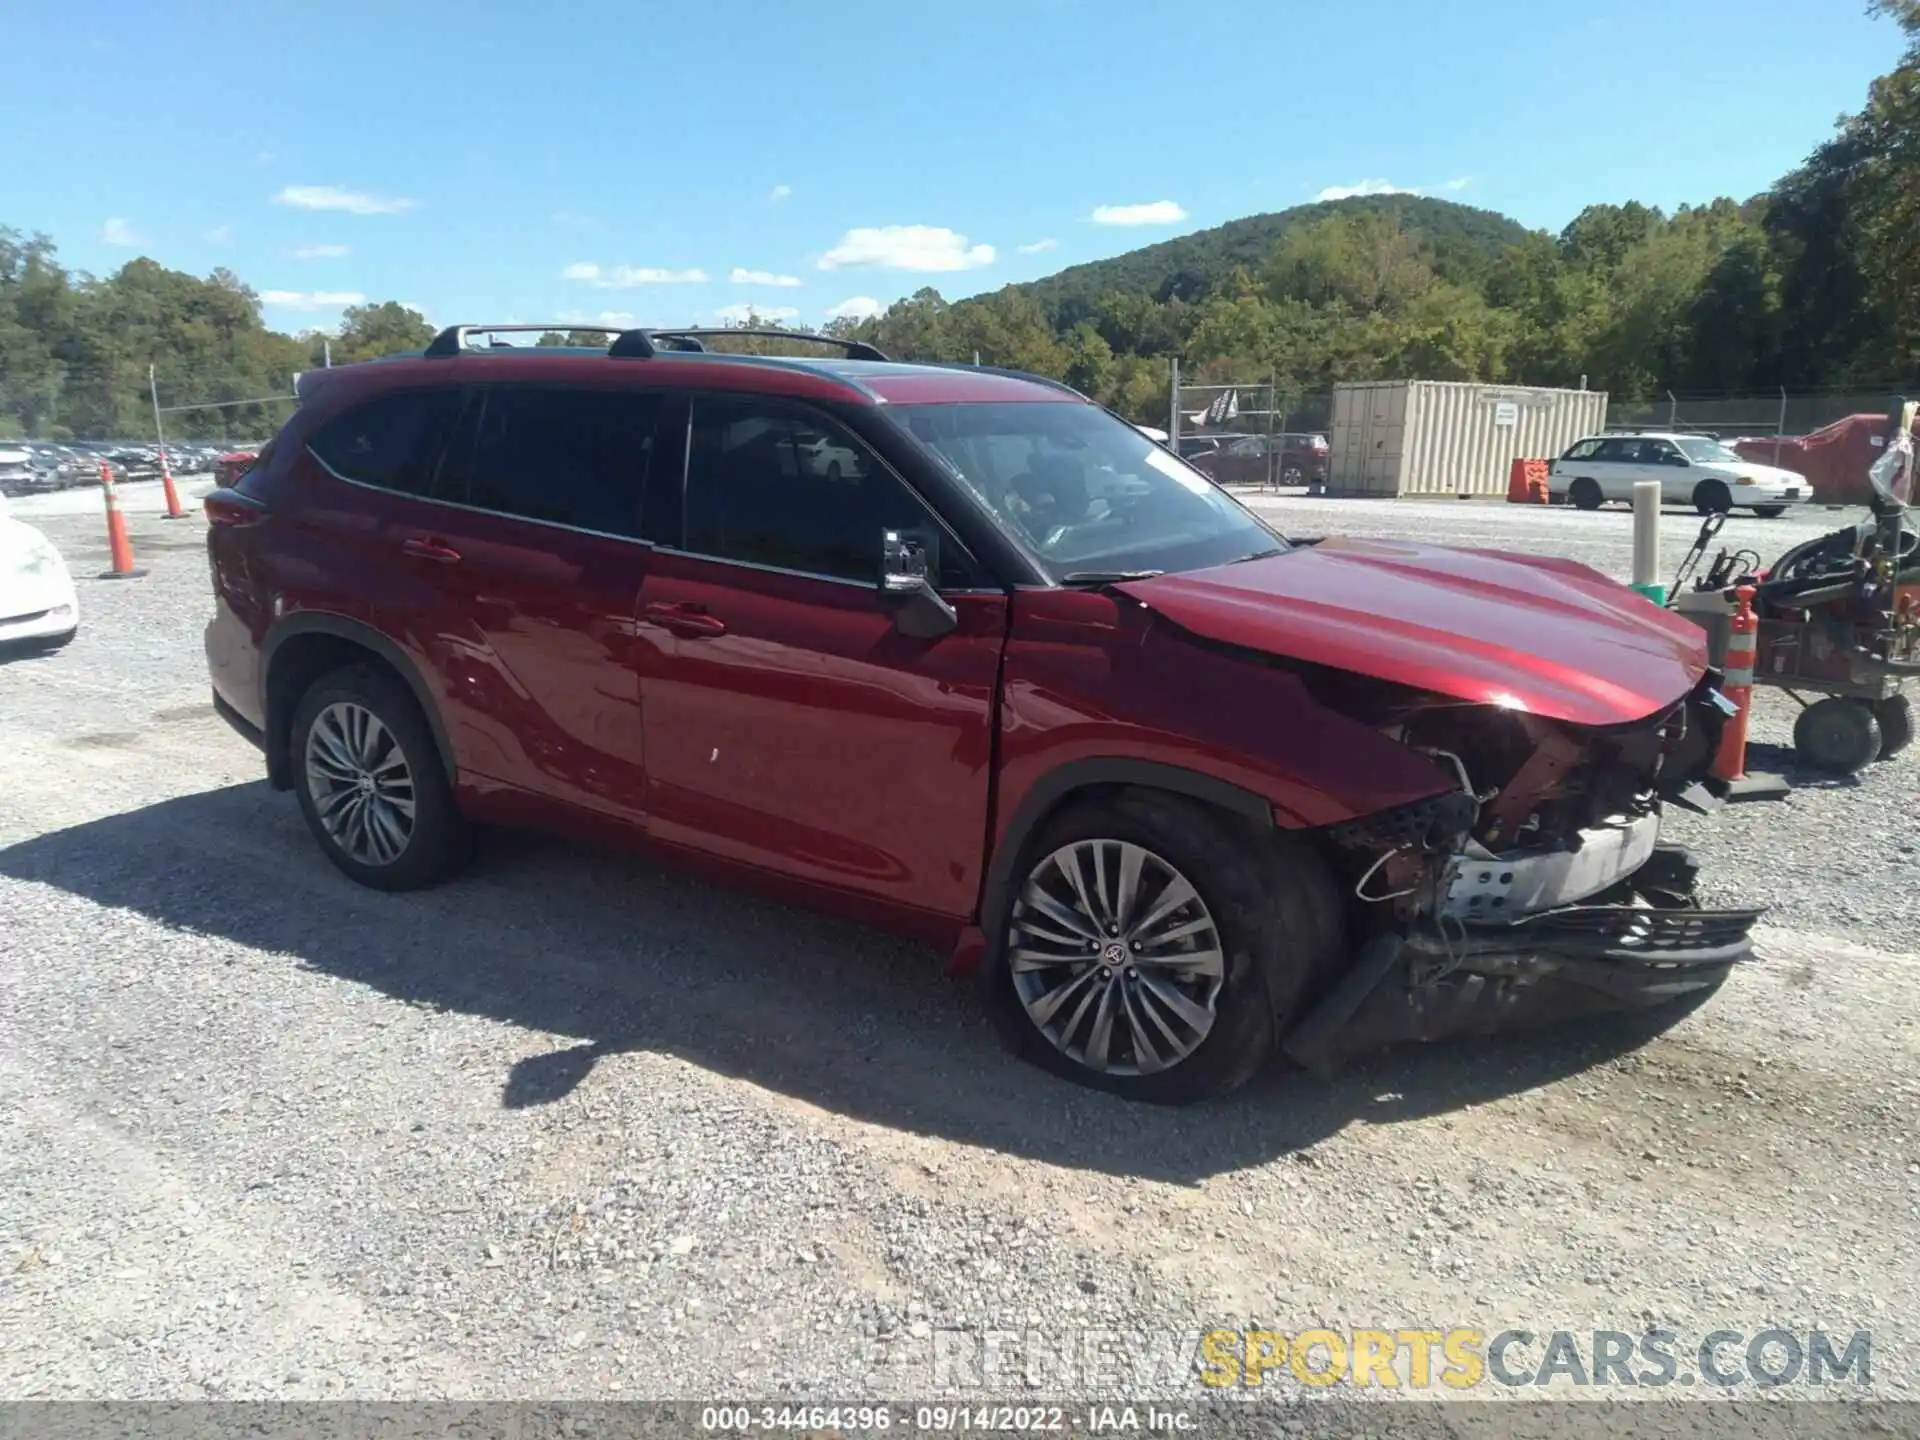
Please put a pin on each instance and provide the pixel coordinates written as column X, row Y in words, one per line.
column 1536, row 890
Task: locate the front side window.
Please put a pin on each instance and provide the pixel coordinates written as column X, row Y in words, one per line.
column 1085, row 492
column 771, row 486
column 392, row 441
column 569, row 457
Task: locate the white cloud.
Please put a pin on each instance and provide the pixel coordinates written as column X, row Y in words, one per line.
column 623, row 318
column 1364, row 187
column 778, row 193
column 219, row 235
column 1155, row 212
column 1462, row 183
column 1039, row 247
column 907, row 247
column 762, row 277
column 118, row 232
column 627, row 277
column 332, row 197
column 740, row 314
column 857, row 307
column 321, row 252
column 312, row 299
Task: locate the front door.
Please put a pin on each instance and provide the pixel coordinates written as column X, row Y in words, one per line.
column 535, row 534
column 789, row 724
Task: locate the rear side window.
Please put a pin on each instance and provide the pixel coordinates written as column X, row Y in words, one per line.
column 1583, row 451
column 393, row 441
column 1620, row 450
column 569, row 457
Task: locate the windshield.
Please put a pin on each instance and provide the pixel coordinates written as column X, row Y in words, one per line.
column 1703, row 451
column 1085, row 492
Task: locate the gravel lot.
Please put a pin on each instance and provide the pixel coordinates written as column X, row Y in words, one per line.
column 573, row 1127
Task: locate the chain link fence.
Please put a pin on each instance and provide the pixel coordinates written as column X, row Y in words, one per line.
column 1254, row 433
column 1751, row 416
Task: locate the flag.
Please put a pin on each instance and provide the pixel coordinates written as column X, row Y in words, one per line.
column 1225, row 407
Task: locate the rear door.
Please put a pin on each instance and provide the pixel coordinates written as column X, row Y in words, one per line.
column 790, row 725
column 532, row 538
column 1616, row 465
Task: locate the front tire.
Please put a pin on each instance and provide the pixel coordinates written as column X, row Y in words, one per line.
column 1711, row 497
column 1769, row 512
column 1157, row 952
column 371, row 782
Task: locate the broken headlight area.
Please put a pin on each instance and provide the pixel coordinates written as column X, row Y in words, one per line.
column 1538, row 888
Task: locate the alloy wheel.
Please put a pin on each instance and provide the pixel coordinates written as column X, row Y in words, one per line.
column 360, row 783
column 1115, row 957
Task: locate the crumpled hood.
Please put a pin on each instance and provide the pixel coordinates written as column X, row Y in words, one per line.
column 1548, row 636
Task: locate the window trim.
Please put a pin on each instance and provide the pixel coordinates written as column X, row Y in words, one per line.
column 779, row 404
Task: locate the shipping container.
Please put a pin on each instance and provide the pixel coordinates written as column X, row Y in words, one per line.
column 1448, row 437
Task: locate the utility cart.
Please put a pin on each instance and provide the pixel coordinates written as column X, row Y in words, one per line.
column 1839, row 618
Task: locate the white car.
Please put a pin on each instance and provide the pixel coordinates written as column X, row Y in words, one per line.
column 38, row 607
column 1695, row 470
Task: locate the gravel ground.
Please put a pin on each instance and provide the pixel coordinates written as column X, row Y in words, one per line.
column 573, row 1127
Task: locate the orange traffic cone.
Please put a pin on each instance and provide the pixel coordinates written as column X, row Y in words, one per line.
column 174, row 510
column 117, row 543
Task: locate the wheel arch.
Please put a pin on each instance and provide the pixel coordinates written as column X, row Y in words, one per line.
column 1079, row 779
column 302, row 647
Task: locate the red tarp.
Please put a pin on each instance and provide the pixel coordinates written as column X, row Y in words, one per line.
column 1835, row 458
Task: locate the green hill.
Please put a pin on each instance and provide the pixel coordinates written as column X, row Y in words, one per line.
column 1464, row 241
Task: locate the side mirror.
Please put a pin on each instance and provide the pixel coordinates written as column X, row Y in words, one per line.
column 919, row 611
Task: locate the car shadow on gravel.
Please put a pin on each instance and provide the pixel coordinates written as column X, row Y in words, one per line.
column 620, row 956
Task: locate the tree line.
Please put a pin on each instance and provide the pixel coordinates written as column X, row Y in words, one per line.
column 1814, row 285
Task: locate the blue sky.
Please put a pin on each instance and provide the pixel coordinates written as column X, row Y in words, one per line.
column 665, row 162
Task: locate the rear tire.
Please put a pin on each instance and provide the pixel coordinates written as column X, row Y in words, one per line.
column 1584, row 494
column 1769, row 512
column 1264, row 904
column 1895, row 715
column 1711, row 497
column 1841, row 737
column 372, row 784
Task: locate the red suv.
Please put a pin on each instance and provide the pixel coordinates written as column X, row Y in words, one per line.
column 954, row 651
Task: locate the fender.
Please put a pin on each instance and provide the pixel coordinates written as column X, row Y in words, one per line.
column 357, row 632
column 996, row 891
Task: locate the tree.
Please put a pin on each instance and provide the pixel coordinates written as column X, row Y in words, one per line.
column 370, row 331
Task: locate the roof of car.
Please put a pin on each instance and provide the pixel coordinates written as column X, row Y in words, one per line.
column 874, row 382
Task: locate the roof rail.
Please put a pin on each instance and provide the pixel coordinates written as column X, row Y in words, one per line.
column 855, row 349
column 453, row 339
column 631, row 344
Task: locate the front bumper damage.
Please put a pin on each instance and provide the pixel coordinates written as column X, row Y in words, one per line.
column 1469, row 938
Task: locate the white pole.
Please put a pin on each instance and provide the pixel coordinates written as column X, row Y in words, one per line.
column 328, row 345
column 1173, row 407
column 1646, row 540
column 159, row 435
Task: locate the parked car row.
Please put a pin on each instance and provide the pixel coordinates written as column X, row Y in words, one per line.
column 33, row 466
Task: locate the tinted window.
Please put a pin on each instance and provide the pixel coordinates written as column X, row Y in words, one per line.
column 393, row 441
column 1583, row 451
column 771, row 487
column 571, row 457
column 1623, row 450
